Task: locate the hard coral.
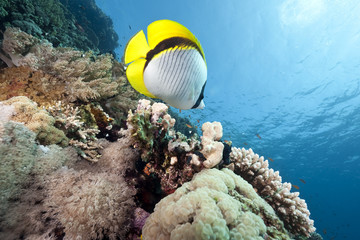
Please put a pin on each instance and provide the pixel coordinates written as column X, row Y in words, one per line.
column 151, row 130
column 211, row 148
column 217, row 205
column 83, row 76
column 37, row 120
column 291, row 209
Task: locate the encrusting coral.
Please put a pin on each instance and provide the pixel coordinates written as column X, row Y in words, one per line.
column 214, row 205
column 291, row 209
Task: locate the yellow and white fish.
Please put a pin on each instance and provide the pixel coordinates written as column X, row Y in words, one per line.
column 170, row 66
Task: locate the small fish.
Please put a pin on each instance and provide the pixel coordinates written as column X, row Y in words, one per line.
column 271, row 159
column 147, row 169
column 258, row 136
column 198, row 121
column 196, row 126
column 295, row 186
column 189, row 116
column 302, row 180
column 324, row 231
column 129, row 27
column 188, row 125
column 179, row 110
column 245, row 143
column 169, row 65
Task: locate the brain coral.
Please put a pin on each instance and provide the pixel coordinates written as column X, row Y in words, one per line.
column 214, row 205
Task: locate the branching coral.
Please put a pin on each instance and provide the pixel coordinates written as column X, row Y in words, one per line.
column 214, row 204
column 268, row 183
column 37, row 120
column 68, row 119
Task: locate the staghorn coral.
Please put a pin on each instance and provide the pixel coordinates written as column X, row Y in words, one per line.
column 214, row 204
column 90, row 206
column 37, row 120
column 84, row 76
column 268, row 183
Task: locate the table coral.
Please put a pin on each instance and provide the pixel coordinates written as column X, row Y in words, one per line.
column 268, row 184
column 214, row 204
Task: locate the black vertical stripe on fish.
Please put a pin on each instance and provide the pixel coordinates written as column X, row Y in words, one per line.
column 189, row 72
column 162, row 69
column 184, row 72
column 179, row 75
column 178, row 63
column 173, row 75
column 201, row 97
column 170, row 68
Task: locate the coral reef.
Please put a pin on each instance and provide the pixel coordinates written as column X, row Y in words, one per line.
column 37, row 120
column 90, row 206
column 17, row 156
column 214, row 204
column 84, row 75
column 268, row 184
column 211, row 148
column 165, row 152
column 74, row 23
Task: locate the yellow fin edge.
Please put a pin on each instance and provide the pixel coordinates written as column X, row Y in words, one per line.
column 136, row 48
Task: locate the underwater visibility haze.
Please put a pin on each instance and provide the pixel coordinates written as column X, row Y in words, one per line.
column 259, row 141
column 283, row 79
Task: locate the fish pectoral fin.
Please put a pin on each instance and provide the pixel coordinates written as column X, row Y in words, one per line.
column 136, row 48
column 134, row 73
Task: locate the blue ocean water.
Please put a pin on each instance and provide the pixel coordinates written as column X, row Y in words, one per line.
column 283, row 79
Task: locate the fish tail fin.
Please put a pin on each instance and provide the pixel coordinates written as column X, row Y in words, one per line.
column 134, row 73
column 136, row 48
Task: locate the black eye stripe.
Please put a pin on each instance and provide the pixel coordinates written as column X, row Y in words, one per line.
column 171, row 43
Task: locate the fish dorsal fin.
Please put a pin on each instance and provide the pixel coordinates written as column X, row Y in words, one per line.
column 134, row 73
column 160, row 30
column 136, row 48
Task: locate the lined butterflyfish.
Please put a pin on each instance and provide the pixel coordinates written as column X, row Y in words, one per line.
column 169, row 65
